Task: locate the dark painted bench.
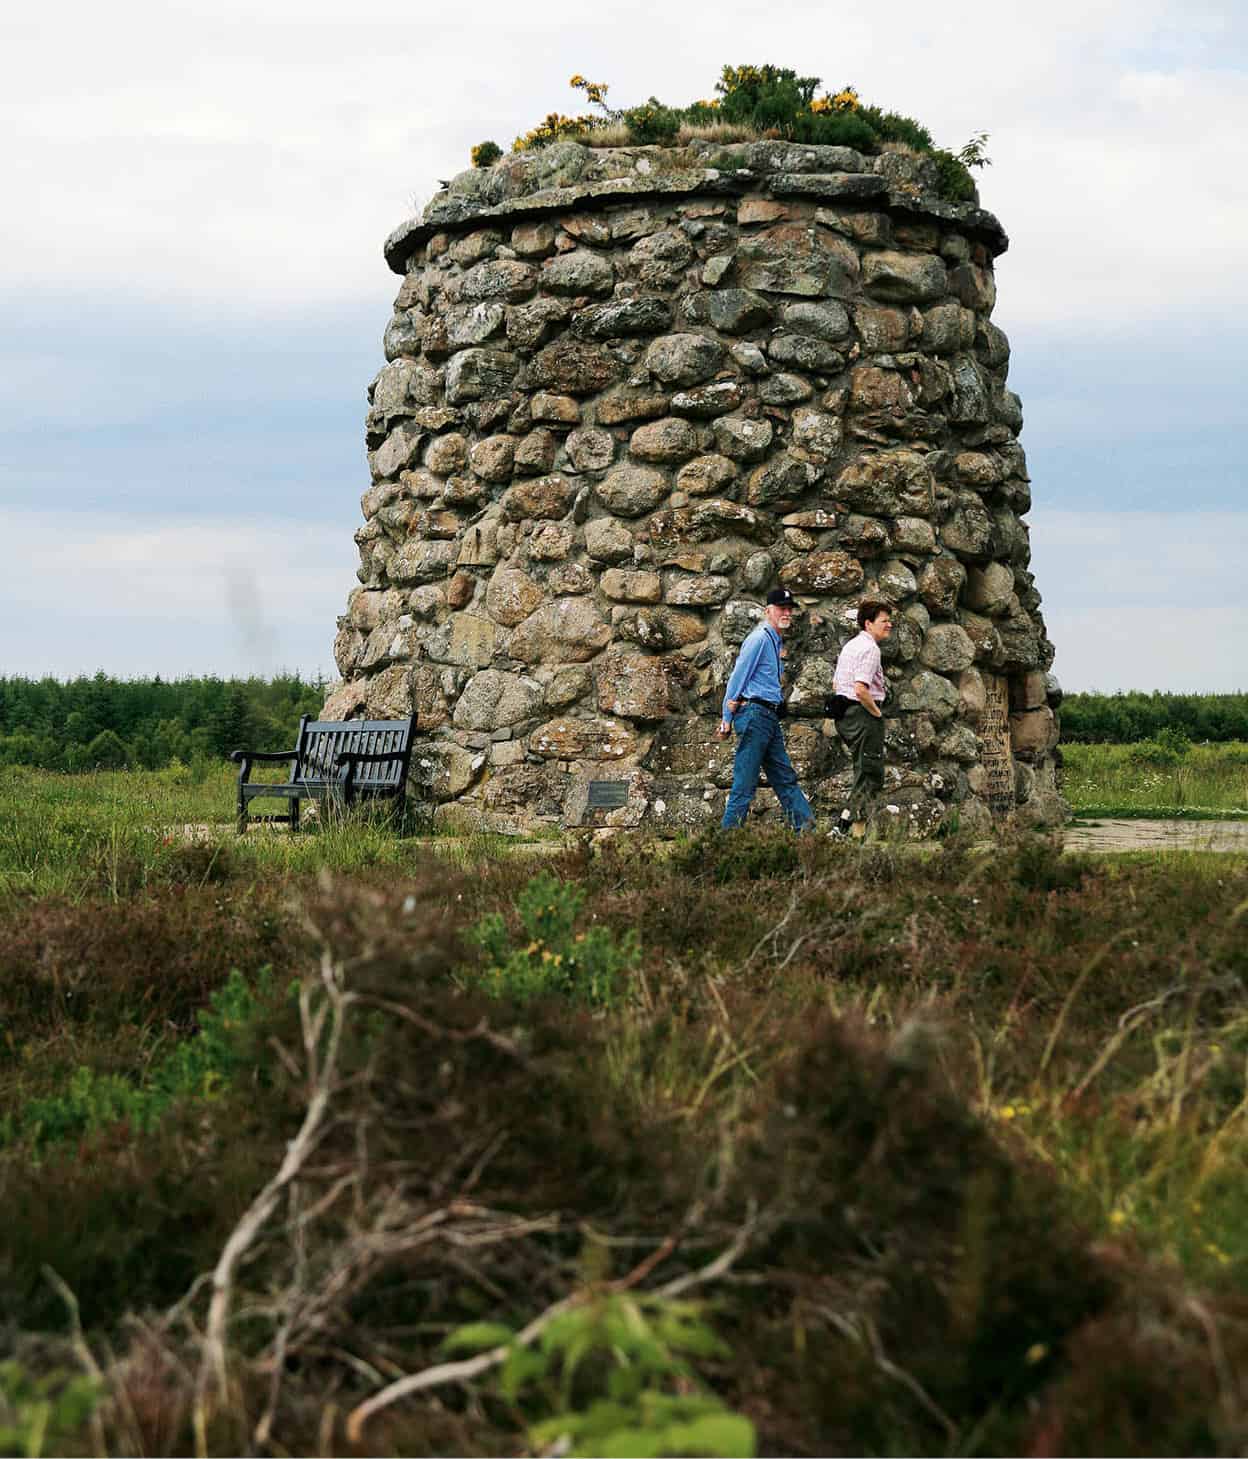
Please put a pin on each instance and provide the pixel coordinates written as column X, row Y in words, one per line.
column 335, row 762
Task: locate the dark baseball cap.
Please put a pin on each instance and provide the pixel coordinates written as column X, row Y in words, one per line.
column 781, row 598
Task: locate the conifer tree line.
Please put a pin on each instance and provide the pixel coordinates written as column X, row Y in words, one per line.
column 105, row 723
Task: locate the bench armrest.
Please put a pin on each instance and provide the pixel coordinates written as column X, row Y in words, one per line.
column 244, row 759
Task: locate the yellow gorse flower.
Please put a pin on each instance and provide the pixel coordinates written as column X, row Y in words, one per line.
column 846, row 99
column 595, row 91
column 734, row 77
column 555, row 126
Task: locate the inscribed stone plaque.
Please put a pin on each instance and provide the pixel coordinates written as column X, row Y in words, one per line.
column 472, row 640
column 607, row 794
column 479, row 547
column 997, row 759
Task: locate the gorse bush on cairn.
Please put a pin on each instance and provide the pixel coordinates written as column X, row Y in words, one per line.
column 752, row 102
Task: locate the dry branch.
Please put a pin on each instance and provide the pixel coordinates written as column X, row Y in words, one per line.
column 322, row 1073
column 469, row 1368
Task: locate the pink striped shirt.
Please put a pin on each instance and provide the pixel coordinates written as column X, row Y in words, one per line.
column 859, row 662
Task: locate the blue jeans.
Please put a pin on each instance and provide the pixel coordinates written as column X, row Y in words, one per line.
column 760, row 746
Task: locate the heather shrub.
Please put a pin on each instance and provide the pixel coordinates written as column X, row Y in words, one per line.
column 884, row 1149
column 737, row 855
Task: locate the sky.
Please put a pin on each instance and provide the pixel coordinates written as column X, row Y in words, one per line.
column 192, row 295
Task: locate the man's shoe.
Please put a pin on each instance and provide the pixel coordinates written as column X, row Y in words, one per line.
column 840, row 828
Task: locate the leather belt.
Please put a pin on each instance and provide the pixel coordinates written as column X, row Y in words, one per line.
column 766, row 703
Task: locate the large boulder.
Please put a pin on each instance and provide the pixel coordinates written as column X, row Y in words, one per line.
column 684, row 359
column 567, row 631
column 888, row 483
column 492, row 700
column 633, row 686
column 630, row 491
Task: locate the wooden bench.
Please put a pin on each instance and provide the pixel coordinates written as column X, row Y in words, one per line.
column 335, row 762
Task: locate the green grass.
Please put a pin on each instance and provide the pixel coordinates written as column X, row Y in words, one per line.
column 78, row 835
column 1203, row 782
column 114, row 833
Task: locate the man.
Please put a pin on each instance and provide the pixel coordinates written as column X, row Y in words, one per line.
column 753, row 706
column 859, row 688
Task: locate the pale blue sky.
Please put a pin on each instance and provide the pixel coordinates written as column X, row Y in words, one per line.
column 193, row 293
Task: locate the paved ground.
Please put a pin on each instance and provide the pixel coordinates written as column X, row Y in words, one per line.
column 1133, row 835
column 1102, row 835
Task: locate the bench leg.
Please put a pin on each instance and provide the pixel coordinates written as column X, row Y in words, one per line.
column 241, row 818
column 294, row 814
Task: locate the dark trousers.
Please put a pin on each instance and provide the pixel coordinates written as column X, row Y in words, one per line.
column 863, row 736
column 760, row 746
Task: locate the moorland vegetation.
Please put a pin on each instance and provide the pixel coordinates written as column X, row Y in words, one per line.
column 348, row 1142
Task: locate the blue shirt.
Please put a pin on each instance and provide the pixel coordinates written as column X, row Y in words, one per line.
column 756, row 674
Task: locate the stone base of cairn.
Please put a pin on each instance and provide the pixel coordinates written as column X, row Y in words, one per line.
column 630, row 390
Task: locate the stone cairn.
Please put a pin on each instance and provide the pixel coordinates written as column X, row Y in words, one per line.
column 628, row 392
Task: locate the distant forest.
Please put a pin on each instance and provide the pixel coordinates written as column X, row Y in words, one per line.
column 102, row 723
column 1128, row 719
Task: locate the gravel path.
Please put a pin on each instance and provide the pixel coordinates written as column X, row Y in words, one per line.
column 1132, row 835
column 1099, row 834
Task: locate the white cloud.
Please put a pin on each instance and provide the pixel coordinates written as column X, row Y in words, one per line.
column 1145, row 600
column 256, row 596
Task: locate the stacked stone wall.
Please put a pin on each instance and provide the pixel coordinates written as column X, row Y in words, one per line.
column 628, row 393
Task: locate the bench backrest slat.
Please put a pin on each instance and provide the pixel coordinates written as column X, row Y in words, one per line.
column 322, row 741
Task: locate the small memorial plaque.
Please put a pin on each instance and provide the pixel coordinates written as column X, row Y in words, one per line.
column 607, row 795
column 997, row 758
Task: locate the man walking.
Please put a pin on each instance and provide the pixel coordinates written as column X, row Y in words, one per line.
column 753, row 707
column 859, row 688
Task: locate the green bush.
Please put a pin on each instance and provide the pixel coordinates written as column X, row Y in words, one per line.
column 38, row 1415
column 612, row 1376
column 551, row 957
column 107, row 751
column 197, row 1067
column 832, row 129
column 485, row 154
column 764, row 96
column 954, row 182
column 652, row 122
column 891, row 126
column 1154, row 753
